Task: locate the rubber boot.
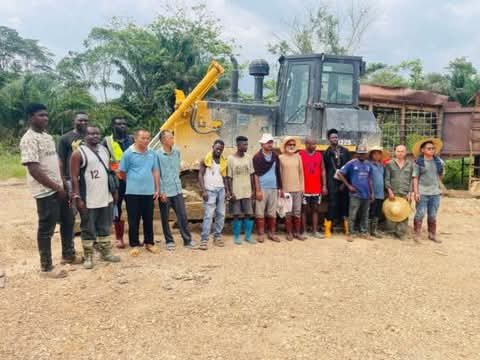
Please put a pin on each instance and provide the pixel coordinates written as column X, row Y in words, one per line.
column 417, row 230
column 432, row 231
column 328, row 228
column 346, row 230
column 119, row 231
column 289, row 227
column 272, row 228
column 87, row 254
column 260, row 224
column 248, row 226
column 374, row 228
column 297, row 223
column 237, row 228
column 106, row 249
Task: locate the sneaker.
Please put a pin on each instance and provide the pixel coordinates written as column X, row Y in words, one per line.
column 170, row 246
column 203, row 245
column 318, row 235
column 218, row 242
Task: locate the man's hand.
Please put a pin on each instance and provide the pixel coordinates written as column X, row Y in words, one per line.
column 372, row 198
column 417, row 197
column 115, row 197
column 391, row 195
column 80, row 205
column 231, row 197
column 163, row 198
column 62, row 194
column 409, row 197
column 325, row 191
column 351, row 189
column 259, row 195
column 156, row 194
column 281, row 193
column 205, row 195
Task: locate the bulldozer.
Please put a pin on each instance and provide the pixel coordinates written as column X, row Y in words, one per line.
column 315, row 93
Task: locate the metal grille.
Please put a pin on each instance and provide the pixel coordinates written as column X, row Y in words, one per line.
column 419, row 124
column 389, row 122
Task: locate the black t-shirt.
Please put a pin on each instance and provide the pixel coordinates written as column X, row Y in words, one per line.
column 68, row 143
column 333, row 161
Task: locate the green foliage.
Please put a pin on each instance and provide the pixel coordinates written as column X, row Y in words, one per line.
column 453, row 174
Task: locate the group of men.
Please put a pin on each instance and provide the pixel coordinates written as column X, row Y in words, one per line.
column 93, row 177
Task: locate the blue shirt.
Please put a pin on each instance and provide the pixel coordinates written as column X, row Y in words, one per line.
column 378, row 172
column 169, row 164
column 269, row 179
column 358, row 173
column 139, row 167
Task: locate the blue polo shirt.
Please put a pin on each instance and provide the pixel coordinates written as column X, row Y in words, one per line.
column 378, row 172
column 139, row 167
column 169, row 164
column 358, row 173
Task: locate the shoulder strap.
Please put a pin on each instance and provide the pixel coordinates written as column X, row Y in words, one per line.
column 99, row 158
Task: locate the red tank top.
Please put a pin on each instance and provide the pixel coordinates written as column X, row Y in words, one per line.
column 312, row 171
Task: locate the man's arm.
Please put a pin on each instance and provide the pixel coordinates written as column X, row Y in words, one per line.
column 300, row 173
column 345, row 181
column 201, row 182
column 324, row 181
column 156, row 183
column 37, row 173
column 258, row 192
column 388, row 183
column 62, row 157
column 370, row 186
column 75, row 163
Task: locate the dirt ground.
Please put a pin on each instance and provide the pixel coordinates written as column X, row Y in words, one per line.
column 318, row 299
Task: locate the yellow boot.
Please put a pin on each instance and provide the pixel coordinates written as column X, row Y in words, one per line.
column 345, row 226
column 328, row 228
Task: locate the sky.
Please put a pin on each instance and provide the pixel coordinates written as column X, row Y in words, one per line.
column 431, row 30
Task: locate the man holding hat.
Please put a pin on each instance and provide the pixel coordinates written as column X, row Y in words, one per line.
column 427, row 176
column 266, row 164
column 357, row 177
column 376, row 156
column 398, row 182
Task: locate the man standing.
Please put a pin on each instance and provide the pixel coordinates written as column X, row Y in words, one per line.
column 360, row 186
column 398, row 182
column 139, row 167
column 376, row 156
column 117, row 144
column 39, row 156
column 291, row 171
column 89, row 171
column 171, row 193
column 315, row 184
column 427, row 176
column 212, row 180
column 241, row 184
column 268, row 186
column 334, row 158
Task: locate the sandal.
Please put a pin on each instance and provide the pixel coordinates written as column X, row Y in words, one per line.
column 218, row 242
column 152, row 248
column 134, row 252
column 203, row 245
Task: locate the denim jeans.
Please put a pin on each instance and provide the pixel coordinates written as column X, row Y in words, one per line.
column 429, row 204
column 52, row 209
column 214, row 206
column 358, row 207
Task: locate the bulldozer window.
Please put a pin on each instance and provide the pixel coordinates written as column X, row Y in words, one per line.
column 337, row 83
column 298, row 89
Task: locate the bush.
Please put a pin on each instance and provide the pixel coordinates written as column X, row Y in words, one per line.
column 453, row 174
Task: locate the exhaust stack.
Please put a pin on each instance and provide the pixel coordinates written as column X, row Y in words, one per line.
column 258, row 69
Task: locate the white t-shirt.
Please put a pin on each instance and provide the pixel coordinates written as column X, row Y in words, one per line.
column 39, row 148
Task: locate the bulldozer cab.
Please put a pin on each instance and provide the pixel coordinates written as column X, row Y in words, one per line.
column 308, row 85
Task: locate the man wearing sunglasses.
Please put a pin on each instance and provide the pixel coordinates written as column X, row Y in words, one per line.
column 427, row 175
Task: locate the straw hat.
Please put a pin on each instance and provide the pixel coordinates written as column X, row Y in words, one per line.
column 396, row 210
column 266, row 138
column 385, row 153
column 362, row 149
column 436, row 142
column 286, row 140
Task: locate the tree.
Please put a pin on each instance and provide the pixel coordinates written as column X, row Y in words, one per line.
column 319, row 30
column 464, row 80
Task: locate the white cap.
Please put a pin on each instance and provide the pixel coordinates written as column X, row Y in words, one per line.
column 266, row 138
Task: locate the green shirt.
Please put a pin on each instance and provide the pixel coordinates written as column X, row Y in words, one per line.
column 428, row 180
column 169, row 165
column 399, row 180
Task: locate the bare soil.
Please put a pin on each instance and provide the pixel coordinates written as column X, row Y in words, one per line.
column 318, row 299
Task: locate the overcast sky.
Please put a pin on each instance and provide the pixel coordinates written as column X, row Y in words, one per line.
column 436, row 31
